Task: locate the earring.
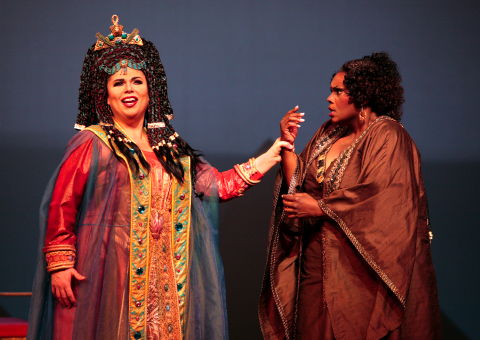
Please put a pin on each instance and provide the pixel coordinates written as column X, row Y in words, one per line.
column 362, row 114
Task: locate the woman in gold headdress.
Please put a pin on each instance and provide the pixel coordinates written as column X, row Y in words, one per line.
column 129, row 219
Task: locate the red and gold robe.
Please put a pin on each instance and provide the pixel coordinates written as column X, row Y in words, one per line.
column 147, row 244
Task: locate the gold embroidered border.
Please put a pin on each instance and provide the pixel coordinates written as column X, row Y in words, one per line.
column 275, row 234
column 340, row 164
column 140, row 187
column 181, row 217
column 296, row 179
column 322, row 144
column 56, row 247
column 139, row 254
column 362, row 251
column 60, row 259
column 333, row 183
column 247, row 171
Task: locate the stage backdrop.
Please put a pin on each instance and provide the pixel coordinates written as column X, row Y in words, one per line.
column 234, row 68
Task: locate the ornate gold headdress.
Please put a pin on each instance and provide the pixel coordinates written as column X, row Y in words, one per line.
column 108, row 55
column 117, row 36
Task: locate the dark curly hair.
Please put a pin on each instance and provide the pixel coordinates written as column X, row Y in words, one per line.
column 374, row 81
column 93, row 108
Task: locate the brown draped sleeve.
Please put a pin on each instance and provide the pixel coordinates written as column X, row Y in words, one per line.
column 379, row 212
column 378, row 274
column 277, row 300
column 378, row 205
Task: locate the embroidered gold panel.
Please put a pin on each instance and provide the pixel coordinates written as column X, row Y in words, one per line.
column 139, row 244
column 181, row 217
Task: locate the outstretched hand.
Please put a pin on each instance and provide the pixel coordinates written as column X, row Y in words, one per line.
column 290, row 123
column 301, row 205
column 272, row 156
column 62, row 286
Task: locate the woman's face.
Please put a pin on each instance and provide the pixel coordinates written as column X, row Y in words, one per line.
column 341, row 110
column 128, row 95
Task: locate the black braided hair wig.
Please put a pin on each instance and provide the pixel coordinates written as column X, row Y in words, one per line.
column 93, row 107
column 374, row 81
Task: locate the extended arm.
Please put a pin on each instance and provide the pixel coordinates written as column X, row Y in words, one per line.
column 234, row 182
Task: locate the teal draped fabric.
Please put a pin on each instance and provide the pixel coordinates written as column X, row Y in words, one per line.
column 102, row 231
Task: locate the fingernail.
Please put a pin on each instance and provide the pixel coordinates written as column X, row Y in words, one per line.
column 302, row 120
column 298, row 125
column 302, row 113
column 296, row 106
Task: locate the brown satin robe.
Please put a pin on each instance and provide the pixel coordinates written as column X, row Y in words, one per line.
column 364, row 271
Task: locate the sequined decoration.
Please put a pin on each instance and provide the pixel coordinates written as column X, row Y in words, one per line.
column 139, row 246
column 163, row 316
column 320, row 167
column 339, row 165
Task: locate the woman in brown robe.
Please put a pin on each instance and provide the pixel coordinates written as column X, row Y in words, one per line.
column 349, row 255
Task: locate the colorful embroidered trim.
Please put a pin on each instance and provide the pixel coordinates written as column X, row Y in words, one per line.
column 248, row 172
column 55, row 247
column 181, row 217
column 139, row 254
column 139, row 244
column 97, row 129
column 60, row 259
column 123, row 64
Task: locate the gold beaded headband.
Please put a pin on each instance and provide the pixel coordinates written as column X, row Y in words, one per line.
column 117, row 36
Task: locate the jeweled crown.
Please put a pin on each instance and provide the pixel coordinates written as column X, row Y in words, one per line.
column 117, row 36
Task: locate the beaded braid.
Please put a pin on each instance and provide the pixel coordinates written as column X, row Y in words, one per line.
column 93, row 108
column 165, row 142
column 86, row 105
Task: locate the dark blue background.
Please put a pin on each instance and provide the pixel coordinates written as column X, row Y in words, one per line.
column 234, row 68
